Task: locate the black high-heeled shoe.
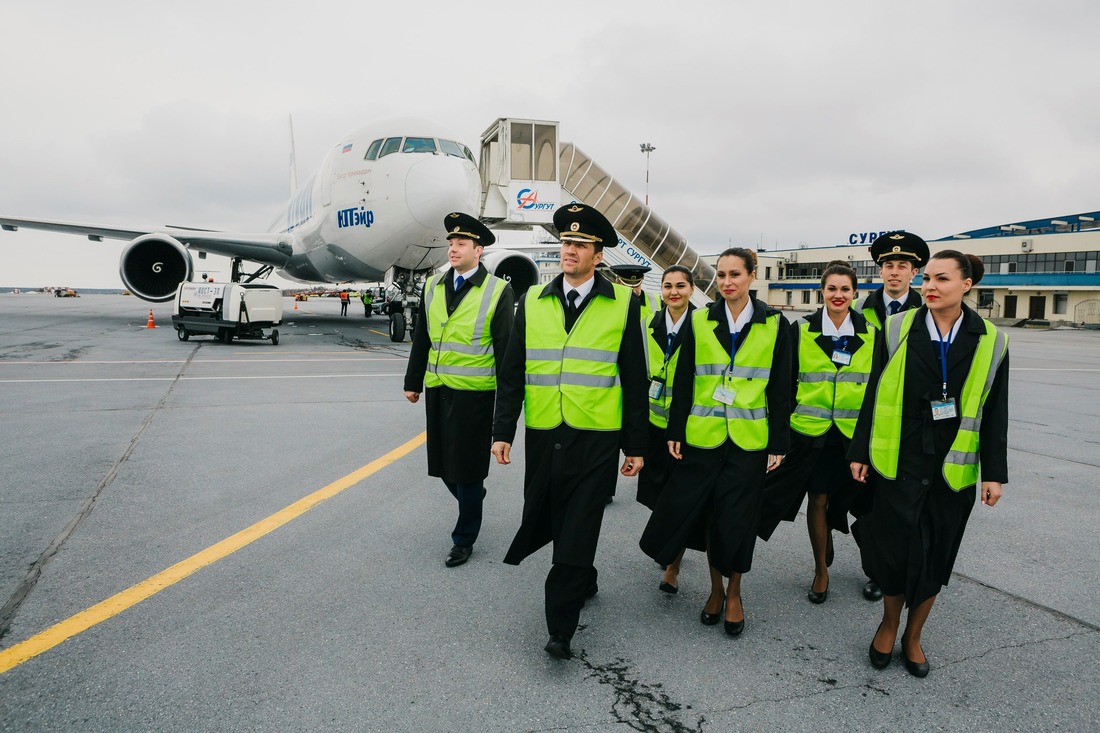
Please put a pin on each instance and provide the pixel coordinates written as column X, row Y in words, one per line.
column 734, row 628
column 879, row 660
column 710, row 619
column 917, row 669
column 816, row 597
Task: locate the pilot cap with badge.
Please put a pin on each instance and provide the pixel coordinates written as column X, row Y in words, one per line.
column 462, row 225
column 631, row 275
column 579, row 223
column 899, row 246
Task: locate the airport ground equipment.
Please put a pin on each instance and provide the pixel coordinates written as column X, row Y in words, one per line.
column 228, row 310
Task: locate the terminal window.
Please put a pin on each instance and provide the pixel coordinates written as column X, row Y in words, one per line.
column 1061, row 303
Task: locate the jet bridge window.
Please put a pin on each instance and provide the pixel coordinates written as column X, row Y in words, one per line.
column 419, row 145
column 392, row 145
column 372, row 151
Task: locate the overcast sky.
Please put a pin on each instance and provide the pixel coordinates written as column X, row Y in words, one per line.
column 774, row 123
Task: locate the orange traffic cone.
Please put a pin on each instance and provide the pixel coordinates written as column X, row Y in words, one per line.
column 295, row 304
column 150, row 324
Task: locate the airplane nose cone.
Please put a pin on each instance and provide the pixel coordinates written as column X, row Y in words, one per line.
column 439, row 185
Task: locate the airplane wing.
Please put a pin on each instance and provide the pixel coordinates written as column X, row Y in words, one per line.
column 267, row 249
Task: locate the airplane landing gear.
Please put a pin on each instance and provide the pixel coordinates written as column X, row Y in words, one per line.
column 407, row 287
column 397, row 327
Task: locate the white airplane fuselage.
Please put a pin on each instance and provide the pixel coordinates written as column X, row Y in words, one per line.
column 357, row 218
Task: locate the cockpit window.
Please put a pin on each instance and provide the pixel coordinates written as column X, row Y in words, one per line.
column 392, row 145
column 469, row 155
column 372, row 151
column 450, row 147
column 419, row 145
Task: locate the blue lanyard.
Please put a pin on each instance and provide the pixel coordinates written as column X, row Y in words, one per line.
column 841, row 342
column 944, row 346
column 733, row 347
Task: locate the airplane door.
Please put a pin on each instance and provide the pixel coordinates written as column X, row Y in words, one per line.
column 326, row 180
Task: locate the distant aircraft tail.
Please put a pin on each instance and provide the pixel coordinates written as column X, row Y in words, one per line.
column 293, row 158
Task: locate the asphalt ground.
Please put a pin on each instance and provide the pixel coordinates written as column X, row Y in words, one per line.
column 125, row 453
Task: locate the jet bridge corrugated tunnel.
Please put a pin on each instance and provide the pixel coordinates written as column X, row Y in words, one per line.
column 636, row 223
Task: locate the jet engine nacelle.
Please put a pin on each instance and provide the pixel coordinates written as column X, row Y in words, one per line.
column 153, row 266
column 515, row 267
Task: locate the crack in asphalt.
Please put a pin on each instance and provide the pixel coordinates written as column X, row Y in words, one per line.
column 639, row 705
column 10, row 609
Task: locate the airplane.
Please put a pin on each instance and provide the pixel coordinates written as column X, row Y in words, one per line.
column 373, row 213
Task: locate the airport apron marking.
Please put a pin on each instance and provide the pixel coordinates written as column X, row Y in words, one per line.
column 25, row 650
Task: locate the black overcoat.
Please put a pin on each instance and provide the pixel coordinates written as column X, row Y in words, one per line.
column 459, row 422
column 569, row 473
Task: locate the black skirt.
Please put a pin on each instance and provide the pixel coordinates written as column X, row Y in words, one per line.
column 714, row 490
column 658, row 468
column 911, row 538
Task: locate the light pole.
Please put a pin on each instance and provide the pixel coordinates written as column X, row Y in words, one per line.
column 647, row 149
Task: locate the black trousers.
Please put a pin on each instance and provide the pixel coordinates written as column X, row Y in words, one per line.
column 470, row 497
column 567, row 588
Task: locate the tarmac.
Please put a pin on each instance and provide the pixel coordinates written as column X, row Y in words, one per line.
column 160, row 570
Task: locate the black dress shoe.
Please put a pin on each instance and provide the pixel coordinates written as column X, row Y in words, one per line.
column 734, row 628
column 458, row 555
column 917, row 669
column 710, row 619
column 879, row 660
column 871, row 591
column 667, row 588
column 558, row 647
column 816, row 597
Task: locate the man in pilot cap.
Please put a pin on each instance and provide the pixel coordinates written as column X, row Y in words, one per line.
column 458, row 345
column 899, row 256
column 631, row 276
column 575, row 365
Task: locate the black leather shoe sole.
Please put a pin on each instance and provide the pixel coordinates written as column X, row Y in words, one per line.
column 558, row 647
column 667, row 588
column 871, row 591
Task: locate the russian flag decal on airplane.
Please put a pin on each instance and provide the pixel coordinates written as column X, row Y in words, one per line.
column 347, row 148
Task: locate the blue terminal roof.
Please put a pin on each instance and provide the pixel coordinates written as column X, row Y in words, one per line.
column 1052, row 225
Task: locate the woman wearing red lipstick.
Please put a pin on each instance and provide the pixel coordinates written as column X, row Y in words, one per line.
column 728, row 426
column 935, row 418
column 834, row 350
column 663, row 346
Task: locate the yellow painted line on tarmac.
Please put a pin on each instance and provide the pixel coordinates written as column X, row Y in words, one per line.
column 44, row 641
column 378, row 332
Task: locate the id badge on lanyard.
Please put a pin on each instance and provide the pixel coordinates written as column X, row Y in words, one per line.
column 724, row 392
column 841, row 355
column 944, row 408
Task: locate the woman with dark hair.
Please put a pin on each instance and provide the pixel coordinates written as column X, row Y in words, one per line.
column 834, row 350
column 728, row 426
column 934, row 420
column 663, row 347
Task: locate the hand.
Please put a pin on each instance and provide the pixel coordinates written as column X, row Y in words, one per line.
column 774, row 460
column 412, row 397
column 991, row 492
column 674, row 449
column 859, row 472
column 632, row 465
column 503, row 452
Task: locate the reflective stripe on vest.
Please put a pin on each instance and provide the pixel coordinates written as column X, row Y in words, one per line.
column 574, row 377
column 745, row 422
column 961, row 466
column 826, row 394
column 460, row 354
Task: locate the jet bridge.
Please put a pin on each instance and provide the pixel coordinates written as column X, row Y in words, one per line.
column 522, row 182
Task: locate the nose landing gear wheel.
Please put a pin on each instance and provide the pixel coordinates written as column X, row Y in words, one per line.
column 397, row 327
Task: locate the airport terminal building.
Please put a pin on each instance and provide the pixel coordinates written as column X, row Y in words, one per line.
column 1039, row 270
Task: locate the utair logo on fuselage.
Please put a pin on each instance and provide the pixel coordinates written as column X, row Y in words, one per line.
column 529, row 199
column 354, row 217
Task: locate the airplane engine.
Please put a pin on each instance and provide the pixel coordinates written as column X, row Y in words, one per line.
column 153, row 266
column 515, row 267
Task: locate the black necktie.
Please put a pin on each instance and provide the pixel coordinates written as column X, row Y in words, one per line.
column 572, row 297
column 671, row 338
column 894, row 307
